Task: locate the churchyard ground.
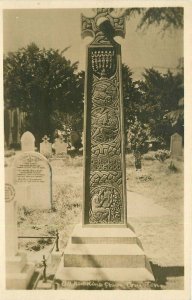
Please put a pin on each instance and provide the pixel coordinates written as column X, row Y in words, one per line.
column 155, row 210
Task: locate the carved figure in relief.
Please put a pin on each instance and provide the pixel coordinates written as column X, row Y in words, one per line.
column 101, row 204
column 104, row 125
column 104, row 92
column 105, row 205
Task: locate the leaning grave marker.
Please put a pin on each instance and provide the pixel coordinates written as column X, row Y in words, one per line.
column 104, row 247
column 33, row 180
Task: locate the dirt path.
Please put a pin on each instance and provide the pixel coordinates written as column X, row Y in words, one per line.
column 161, row 233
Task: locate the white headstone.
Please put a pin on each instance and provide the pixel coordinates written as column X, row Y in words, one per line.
column 176, row 145
column 46, row 147
column 33, row 180
column 28, row 141
column 60, row 146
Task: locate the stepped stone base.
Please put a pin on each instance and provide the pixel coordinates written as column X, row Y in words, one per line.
column 113, row 254
column 18, row 272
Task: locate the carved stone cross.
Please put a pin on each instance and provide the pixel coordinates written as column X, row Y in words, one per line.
column 104, row 163
column 45, row 139
column 91, row 26
column 101, row 249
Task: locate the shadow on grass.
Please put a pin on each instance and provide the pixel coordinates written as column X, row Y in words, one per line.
column 161, row 273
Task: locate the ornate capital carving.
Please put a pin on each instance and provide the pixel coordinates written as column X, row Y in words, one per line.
column 92, row 26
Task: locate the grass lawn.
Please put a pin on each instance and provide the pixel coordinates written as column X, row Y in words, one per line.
column 160, row 234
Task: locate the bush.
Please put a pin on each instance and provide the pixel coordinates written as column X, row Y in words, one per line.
column 162, row 155
column 149, row 156
column 138, row 134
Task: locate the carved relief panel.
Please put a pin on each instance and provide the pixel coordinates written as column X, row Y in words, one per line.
column 104, row 185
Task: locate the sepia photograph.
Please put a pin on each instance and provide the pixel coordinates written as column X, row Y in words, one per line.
column 94, row 143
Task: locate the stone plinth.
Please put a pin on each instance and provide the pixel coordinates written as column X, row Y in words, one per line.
column 18, row 272
column 113, row 254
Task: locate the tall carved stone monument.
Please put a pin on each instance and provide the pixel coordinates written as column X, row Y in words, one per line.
column 104, row 247
column 104, row 178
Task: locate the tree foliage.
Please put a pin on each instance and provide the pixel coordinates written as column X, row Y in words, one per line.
column 167, row 17
column 131, row 96
column 42, row 82
column 160, row 95
column 154, row 101
column 138, row 134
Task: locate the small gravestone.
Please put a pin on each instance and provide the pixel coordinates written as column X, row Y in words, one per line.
column 60, row 146
column 18, row 270
column 46, row 147
column 176, row 145
column 28, row 141
column 33, row 180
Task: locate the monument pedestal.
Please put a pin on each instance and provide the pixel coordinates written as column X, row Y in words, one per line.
column 113, row 254
column 18, row 272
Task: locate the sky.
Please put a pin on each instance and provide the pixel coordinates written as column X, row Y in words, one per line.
column 60, row 28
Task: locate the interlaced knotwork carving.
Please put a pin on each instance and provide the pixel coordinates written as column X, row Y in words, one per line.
column 105, row 92
column 104, row 183
column 112, row 149
column 100, row 177
column 105, row 165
